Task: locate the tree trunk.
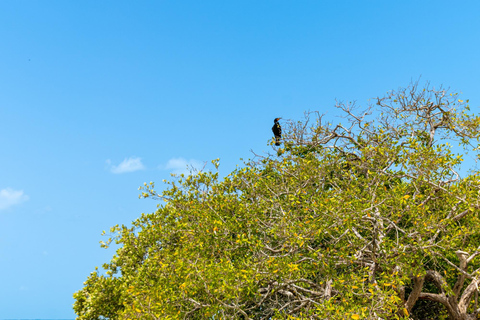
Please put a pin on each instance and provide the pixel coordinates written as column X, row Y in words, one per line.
column 417, row 290
column 456, row 306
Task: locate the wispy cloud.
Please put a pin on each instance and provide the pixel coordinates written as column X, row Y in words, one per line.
column 10, row 197
column 128, row 165
column 181, row 165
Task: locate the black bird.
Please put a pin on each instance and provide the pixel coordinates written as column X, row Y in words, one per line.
column 277, row 131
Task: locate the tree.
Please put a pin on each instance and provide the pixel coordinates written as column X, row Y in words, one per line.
column 366, row 219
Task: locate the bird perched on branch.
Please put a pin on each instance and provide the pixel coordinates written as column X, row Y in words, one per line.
column 277, row 131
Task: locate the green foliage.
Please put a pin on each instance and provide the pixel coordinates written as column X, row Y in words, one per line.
column 339, row 225
column 100, row 298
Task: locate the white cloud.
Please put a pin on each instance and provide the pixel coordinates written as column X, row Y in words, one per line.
column 181, row 165
column 10, row 197
column 128, row 165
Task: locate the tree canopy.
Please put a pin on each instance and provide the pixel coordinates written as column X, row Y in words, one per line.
column 368, row 218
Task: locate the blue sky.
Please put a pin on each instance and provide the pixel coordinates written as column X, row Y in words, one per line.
column 97, row 97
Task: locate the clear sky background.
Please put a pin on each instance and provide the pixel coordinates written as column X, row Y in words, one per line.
column 97, row 97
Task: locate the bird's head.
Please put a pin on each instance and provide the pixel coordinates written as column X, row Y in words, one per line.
column 276, row 119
